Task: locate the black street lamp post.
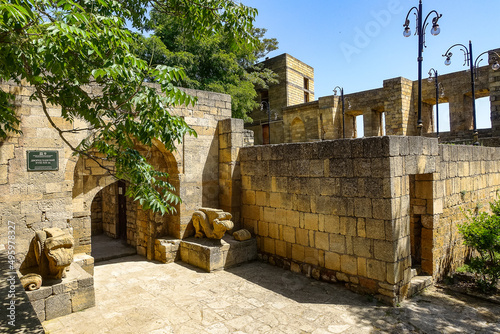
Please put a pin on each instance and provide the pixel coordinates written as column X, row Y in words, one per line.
column 268, row 117
column 473, row 67
column 421, row 27
column 343, row 107
column 433, row 76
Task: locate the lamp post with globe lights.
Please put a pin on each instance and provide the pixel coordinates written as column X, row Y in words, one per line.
column 473, row 64
column 421, row 27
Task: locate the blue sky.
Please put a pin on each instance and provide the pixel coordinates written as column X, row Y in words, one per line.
column 358, row 44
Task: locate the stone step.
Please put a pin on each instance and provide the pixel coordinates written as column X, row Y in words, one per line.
column 418, row 284
column 105, row 248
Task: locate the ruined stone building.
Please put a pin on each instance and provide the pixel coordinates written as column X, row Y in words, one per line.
column 389, row 110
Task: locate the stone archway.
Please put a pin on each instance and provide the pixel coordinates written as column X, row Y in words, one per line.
column 90, row 179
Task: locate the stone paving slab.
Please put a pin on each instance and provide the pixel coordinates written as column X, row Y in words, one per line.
column 134, row 295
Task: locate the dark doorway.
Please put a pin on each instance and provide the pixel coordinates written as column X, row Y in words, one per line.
column 122, row 212
column 265, row 134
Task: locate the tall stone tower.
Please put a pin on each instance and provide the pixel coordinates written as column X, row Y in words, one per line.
column 296, row 86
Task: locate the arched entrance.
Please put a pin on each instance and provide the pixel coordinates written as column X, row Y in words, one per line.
column 99, row 202
column 110, row 212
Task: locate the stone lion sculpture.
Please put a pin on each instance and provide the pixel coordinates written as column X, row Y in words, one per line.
column 50, row 253
column 212, row 223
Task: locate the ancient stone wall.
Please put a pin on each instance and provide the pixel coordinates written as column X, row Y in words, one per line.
column 468, row 179
column 63, row 198
column 356, row 211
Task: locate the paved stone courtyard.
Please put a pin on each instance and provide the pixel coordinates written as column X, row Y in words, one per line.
column 134, row 295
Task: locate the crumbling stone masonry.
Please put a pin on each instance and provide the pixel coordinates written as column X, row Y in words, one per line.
column 342, row 210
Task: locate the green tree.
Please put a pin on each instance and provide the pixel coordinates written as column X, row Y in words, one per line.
column 58, row 47
column 211, row 63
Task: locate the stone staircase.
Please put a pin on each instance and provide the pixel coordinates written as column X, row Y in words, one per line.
column 418, row 282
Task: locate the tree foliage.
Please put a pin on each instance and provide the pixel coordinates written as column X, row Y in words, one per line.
column 211, row 63
column 61, row 47
column 482, row 233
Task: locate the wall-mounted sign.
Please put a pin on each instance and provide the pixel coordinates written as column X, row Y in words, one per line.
column 42, row 160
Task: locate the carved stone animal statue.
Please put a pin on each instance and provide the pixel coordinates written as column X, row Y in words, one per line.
column 53, row 252
column 212, row 223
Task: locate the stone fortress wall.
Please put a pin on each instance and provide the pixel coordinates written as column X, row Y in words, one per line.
column 365, row 211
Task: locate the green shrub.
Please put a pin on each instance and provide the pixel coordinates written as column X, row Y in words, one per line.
column 482, row 233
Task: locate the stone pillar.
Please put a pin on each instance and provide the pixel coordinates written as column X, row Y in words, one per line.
column 231, row 135
column 460, row 113
column 350, row 126
column 330, row 118
column 372, row 121
column 427, row 119
column 397, row 108
column 494, row 85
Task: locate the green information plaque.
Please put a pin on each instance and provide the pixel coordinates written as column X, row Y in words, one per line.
column 42, row 160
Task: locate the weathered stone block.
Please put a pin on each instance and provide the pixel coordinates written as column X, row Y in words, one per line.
column 385, row 251
column 298, row 253
column 39, row 294
column 349, row 264
column 64, row 287
column 57, row 306
column 289, row 234
column 332, row 261
column 376, row 270
column 375, row 229
column 321, row 241
column 363, row 247
column 382, row 209
column 348, row 226
column 311, row 221
column 311, row 256
column 39, row 306
column 83, row 298
column 363, row 207
column 337, row 243
column 302, row 236
column 361, row 266
column 332, row 224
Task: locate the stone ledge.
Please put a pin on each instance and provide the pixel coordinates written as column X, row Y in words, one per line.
column 207, row 254
column 211, row 255
column 418, row 284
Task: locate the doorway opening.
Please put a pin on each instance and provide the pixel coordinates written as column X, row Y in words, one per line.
column 112, row 223
column 421, row 223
